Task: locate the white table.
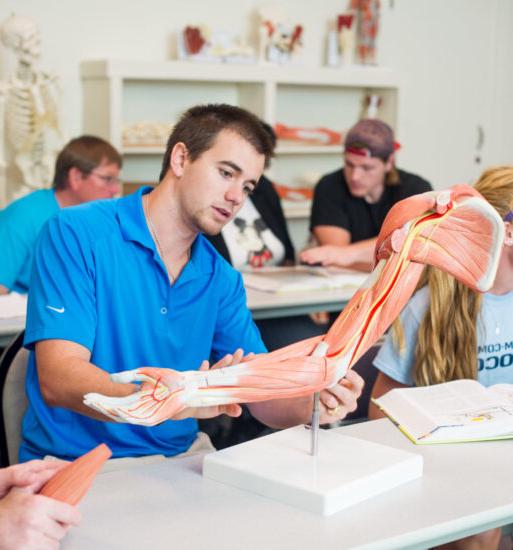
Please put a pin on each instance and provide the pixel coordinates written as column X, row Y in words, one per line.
column 263, row 305
column 466, row 488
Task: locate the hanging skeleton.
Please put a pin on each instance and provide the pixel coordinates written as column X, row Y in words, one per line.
column 28, row 106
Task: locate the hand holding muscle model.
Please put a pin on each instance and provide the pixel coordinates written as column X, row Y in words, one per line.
column 29, row 520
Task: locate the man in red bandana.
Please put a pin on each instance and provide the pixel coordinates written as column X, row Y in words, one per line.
column 350, row 204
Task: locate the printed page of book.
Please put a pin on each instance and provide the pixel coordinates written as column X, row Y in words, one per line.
column 301, row 278
column 503, row 392
column 457, row 410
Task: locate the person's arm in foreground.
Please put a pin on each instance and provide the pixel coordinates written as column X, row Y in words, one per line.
column 28, row 520
column 382, row 385
column 66, row 375
column 336, row 403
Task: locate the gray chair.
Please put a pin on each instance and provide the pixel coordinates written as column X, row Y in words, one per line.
column 13, row 401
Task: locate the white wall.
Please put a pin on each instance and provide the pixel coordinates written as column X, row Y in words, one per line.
column 454, row 55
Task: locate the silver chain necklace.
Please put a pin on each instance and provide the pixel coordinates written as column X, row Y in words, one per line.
column 153, row 233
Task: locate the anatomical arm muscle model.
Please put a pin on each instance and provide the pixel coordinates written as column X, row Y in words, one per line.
column 455, row 230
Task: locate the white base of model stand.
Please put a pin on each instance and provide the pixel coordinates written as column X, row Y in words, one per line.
column 345, row 471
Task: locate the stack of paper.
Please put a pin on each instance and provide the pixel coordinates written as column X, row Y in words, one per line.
column 302, row 278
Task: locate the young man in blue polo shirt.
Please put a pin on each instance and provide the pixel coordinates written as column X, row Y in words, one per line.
column 86, row 169
column 131, row 282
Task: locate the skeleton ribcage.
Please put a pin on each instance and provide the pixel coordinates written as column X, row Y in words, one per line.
column 26, row 118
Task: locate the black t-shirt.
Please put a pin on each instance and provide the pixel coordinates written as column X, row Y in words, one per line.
column 333, row 204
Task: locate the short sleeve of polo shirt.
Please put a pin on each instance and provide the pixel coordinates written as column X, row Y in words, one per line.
column 62, row 301
column 15, row 247
column 328, row 203
column 235, row 327
column 20, row 223
column 390, row 360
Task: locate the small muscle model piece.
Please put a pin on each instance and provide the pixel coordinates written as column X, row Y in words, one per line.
column 280, row 41
column 28, row 105
column 455, row 230
column 346, row 34
column 146, row 134
column 321, row 136
column 72, row 482
column 293, row 193
column 368, row 27
column 202, row 43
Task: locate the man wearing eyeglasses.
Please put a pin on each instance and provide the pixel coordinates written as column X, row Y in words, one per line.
column 87, row 169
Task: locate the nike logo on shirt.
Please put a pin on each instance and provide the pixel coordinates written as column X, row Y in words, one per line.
column 58, row 310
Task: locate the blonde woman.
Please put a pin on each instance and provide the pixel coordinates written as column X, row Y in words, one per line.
column 447, row 331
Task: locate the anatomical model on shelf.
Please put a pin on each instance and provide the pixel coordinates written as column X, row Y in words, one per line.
column 295, row 194
column 342, row 40
column 146, row 134
column 301, row 189
column 28, row 107
column 346, row 37
column 367, row 31
column 201, row 43
column 370, row 106
column 455, row 230
column 315, row 136
column 279, row 40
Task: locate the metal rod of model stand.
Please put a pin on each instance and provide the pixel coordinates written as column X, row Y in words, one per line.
column 319, row 351
column 314, row 431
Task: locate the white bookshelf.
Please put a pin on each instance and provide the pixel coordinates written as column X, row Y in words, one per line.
column 121, row 92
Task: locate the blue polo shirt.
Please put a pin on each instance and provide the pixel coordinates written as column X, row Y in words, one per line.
column 20, row 223
column 98, row 281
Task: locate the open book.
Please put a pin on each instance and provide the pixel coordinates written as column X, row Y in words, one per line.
column 457, row 411
column 302, row 278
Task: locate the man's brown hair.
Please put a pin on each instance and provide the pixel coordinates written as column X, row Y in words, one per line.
column 84, row 153
column 199, row 126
